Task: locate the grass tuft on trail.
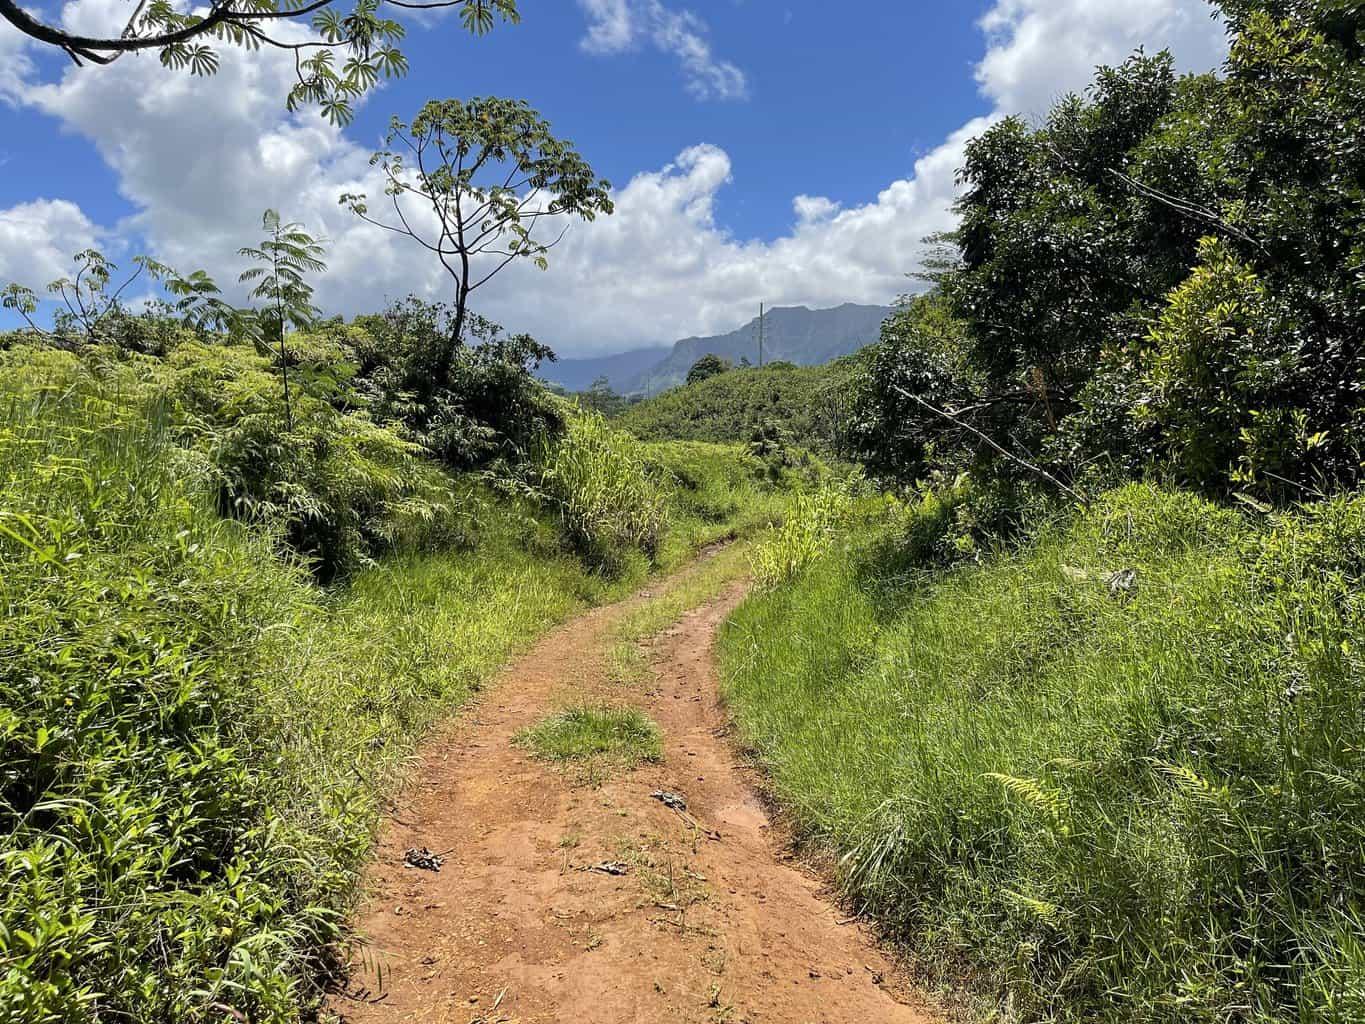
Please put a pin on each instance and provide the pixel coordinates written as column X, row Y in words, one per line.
column 617, row 736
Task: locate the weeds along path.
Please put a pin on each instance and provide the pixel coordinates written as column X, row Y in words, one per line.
column 528, row 919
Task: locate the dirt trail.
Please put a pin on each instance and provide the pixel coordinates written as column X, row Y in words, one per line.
column 517, row 927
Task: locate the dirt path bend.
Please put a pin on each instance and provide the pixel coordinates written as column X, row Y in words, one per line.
column 519, row 927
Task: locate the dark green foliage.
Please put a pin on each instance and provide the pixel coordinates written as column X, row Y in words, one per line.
column 1164, row 276
column 341, row 488
column 467, row 404
column 706, row 367
column 1105, row 801
column 601, row 398
column 922, row 353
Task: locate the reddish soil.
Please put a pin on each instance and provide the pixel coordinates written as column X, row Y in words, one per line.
column 517, row 926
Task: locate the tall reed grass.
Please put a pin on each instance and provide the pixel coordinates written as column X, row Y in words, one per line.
column 1105, row 795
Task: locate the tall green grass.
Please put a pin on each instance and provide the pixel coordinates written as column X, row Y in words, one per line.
column 612, row 504
column 721, row 491
column 1102, row 802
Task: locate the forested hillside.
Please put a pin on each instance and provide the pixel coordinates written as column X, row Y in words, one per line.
column 803, row 405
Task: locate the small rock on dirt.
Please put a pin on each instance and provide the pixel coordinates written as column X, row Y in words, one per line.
column 611, row 867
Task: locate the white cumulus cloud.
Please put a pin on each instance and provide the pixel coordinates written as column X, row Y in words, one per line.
column 1038, row 50
column 38, row 239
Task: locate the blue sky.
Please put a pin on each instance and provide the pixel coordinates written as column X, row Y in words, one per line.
column 761, row 151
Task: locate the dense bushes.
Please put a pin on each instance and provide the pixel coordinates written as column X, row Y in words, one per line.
column 144, row 867
column 337, row 487
column 1163, row 276
column 467, row 403
column 1117, row 774
column 341, row 487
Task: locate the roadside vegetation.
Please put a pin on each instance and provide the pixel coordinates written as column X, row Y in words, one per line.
column 1113, row 775
column 1070, row 688
column 228, row 620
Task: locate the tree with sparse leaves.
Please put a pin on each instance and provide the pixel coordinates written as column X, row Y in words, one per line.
column 283, row 260
column 472, row 181
column 346, row 55
column 92, row 299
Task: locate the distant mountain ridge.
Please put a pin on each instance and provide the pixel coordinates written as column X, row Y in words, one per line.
column 794, row 334
column 579, row 374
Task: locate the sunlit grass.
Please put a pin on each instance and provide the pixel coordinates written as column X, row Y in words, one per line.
column 1142, row 805
column 622, row 737
column 197, row 740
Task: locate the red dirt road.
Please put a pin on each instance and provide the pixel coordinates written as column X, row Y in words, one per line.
column 517, row 927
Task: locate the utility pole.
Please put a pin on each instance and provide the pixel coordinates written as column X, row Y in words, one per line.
column 760, row 335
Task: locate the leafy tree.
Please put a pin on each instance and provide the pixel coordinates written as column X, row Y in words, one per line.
column 471, row 181
column 484, row 404
column 1220, row 373
column 923, row 353
column 1056, row 243
column 93, row 301
column 284, row 259
column 707, row 366
column 345, row 56
column 1167, row 273
column 601, row 397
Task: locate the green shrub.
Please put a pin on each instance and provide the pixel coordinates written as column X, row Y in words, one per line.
column 338, row 489
column 144, row 871
column 1115, row 776
column 467, row 404
column 1220, row 368
column 804, row 535
column 611, row 503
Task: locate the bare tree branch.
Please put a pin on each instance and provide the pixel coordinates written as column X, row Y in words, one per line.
column 994, row 445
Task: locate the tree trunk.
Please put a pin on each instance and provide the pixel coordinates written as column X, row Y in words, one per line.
column 284, row 373
column 457, row 332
